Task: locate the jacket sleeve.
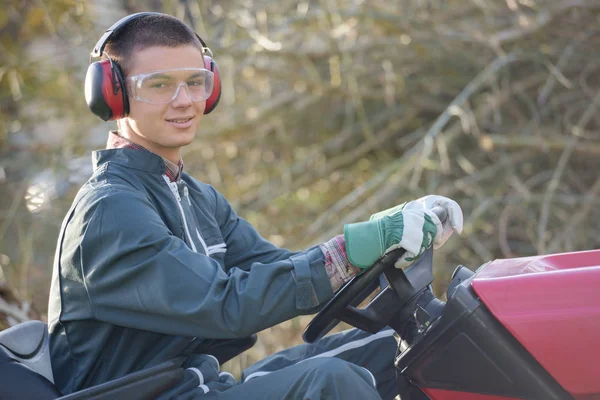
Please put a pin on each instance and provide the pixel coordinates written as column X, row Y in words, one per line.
column 245, row 245
column 137, row 274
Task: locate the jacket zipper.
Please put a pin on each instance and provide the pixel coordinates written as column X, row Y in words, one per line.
column 173, row 187
column 186, row 193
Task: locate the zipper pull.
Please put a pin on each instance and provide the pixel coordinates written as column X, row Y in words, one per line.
column 187, row 195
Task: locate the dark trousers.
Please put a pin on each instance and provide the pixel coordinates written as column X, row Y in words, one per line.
column 348, row 365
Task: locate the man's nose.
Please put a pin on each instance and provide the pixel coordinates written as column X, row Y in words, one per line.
column 182, row 97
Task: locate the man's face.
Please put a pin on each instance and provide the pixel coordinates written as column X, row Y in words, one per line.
column 164, row 128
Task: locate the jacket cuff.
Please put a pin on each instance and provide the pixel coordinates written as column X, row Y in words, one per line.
column 338, row 267
column 312, row 283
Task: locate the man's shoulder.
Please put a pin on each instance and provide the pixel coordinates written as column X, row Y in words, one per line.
column 108, row 192
column 111, row 178
column 102, row 206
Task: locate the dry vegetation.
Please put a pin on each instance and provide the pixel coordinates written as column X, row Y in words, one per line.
column 335, row 109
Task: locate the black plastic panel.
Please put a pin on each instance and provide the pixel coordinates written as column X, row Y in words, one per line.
column 468, row 350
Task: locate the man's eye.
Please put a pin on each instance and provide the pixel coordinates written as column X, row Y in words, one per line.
column 159, row 85
column 196, row 82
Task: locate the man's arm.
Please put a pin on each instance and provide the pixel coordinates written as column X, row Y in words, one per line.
column 245, row 246
column 137, row 274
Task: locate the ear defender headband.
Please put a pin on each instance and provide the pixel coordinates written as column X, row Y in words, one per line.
column 105, row 91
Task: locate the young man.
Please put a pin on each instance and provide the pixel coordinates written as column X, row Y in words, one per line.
column 152, row 263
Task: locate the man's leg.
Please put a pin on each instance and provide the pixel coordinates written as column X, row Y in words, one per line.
column 374, row 352
column 316, row 379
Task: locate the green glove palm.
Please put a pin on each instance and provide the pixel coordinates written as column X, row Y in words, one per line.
column 413, row 230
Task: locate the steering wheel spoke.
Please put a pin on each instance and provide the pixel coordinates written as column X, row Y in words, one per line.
column 402, row 287
column 373, row 317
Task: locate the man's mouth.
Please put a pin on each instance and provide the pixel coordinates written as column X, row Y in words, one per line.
column 180, row 120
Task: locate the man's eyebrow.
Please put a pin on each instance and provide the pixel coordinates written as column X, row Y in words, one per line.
column 159, row 76
column 197, row 74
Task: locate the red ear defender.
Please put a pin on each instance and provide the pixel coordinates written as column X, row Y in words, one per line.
column 213, row 100
column 105, row 92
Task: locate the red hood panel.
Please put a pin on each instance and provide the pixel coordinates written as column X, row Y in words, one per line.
column 551, row 304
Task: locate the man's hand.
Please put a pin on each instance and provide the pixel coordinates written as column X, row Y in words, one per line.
column 412, row 226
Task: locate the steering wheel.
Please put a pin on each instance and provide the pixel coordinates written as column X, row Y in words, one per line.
column 399, row 290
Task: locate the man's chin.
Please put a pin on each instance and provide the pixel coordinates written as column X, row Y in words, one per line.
column 182, row 142
column 182, row 136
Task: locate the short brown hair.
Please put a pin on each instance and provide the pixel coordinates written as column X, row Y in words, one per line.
column 148, row 31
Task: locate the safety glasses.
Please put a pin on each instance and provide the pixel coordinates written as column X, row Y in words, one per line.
column 162, row 87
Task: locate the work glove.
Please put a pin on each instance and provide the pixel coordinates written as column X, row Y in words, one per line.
column 412, row 226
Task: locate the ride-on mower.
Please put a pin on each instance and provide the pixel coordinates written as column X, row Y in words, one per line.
column 523, row 328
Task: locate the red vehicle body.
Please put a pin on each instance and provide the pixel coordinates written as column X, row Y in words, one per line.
column 551, row 306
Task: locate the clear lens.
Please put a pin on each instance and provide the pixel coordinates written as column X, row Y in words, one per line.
column 161, row 87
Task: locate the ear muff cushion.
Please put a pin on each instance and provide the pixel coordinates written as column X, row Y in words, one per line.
column 213, row 100
column 100, row 91
column 119, row 102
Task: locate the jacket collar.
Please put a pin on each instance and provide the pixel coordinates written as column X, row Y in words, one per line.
column 115, row 140
column 130, row 158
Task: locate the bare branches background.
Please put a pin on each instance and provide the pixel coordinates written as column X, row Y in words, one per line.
column 331, row 110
